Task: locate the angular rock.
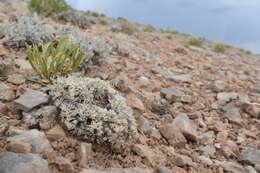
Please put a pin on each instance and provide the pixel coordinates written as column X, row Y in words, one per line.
column 225, row 97
column 117, row 170
column 86, row 154
column 164, row 170
column 161, row 108
column 4, row 125
column 16, row 79
column 6, row 93
column 46, row 117
column 135, row 102
column 188, row 128
column 233, row 167
column 172, row 94
column 176, row 169
column 23, row 64
column 208, row 150
column 181, row 78
column 55, row 133
column 29, row 100
column 22, row 163
column 37, row 139
column 253, row 110
column 205, row 160
column 173, row 135
column 144, row 151
column 144, row 126
column 169, row 75
column 250, row 155
column 233, row 116
column 219, row 86
column 182, row 160
column 64, row 164
column 19, row 147
column 250, row 169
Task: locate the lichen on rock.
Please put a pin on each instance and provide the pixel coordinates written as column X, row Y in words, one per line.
column 92, row 110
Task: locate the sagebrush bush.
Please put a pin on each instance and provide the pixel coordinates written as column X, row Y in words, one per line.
column 28, row 30
column 220, row 48
column 48, row 7
column 195, row 42
column 52, row 60
column 92, row 110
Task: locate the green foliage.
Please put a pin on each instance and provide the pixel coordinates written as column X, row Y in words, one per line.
column 195, row 42
column 54, row 60
column 127, row 27
column 220, row 48
column 103, row 20
column 48, row 7
column 149, row 28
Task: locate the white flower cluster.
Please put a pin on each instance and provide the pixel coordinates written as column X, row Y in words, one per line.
column 92, row 110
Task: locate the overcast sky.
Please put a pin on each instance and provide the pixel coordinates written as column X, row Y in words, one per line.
column 232, row 21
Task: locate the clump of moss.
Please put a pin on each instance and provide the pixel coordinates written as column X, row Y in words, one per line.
column 48, row 7
column 92, row 110
column 220, row 48
column 195, row 42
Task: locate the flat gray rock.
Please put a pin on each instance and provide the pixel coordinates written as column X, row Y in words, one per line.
column 250, row 155
column 22, row 163
column 37, row 139
column 225, row 97
column 172, row 94
column 233, row 116
column 187, row 126
column 29, row 100
column 233, row 167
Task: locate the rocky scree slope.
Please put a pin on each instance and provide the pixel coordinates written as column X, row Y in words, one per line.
column 197, row 111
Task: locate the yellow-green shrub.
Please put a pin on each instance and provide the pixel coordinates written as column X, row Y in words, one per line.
column 48, row 7
column 219, row 48
column 195, row 42
column 52, row 60
column 127, row 27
